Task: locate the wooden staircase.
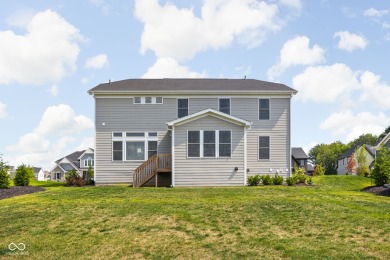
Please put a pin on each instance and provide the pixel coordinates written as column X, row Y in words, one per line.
column 150, row 168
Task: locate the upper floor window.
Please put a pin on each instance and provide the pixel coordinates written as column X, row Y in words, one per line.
column 224, row 105
column 148, row 100
column 264, row 109
column 88, row 162
column 182, row 107
column 264, row 148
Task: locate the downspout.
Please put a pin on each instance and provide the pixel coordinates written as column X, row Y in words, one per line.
column 173, row 155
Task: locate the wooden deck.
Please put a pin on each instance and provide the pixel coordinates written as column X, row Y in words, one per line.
column 150, row 168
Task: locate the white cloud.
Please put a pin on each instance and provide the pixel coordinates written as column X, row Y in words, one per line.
column 386, row 25
column 50, row 140
column 97, row 62
column 355, row 124
column 350, row 42
column 62, row 119
column 292, row 3
column 46, row 53
column 53, row 90
column 86, row 143
column 180, row 34
column 375, row 13
column 374, row 91
column 3, row 111
column 296, row 51
column 324, row 84
column 170, row 68
column 84, row 80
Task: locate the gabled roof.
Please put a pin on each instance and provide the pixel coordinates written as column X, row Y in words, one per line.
column 72, row 157
column 37, row 169
column 384, row 142
column 348, row 153
column 195, row 86
column 89, row 150
column 213, row 113
column 298, row 153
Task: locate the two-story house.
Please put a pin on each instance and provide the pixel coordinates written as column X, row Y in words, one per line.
column 191, row 132
column 79, row 161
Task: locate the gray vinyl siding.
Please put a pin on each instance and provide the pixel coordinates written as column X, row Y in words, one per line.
column 209, row 171
column 54, row 176
column 120, row 114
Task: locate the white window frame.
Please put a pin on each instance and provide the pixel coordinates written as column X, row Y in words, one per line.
column 177, row 106
column 269, row 109
column 124, row 139
column 89, row 159
column 153, row 100
column 230, row 104
column 201, row 145
column 258, row 148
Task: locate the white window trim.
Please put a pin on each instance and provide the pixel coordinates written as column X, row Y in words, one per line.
column 125, row 139
column 153, row 101
column 258, row 109
column 177, row 106
column 230, row 104
column 201, row 145
column 86, row 162
column 258, row 149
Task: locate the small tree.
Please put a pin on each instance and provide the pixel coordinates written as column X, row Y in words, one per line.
column 361, row 159
column 23, row 175
column 351, row 166
column 381, row 171
column 4, row 176
column 319, row 170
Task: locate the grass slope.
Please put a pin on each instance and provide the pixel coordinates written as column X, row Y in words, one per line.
column 332, row 220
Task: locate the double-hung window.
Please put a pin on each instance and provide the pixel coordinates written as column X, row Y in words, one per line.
column 264, row 109
column 88, row 162
column 264, row 148
column 204, row 144
column 224, row 105
column 182, row 107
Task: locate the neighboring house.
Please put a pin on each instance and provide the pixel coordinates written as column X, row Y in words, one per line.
column 299, row 157
column 385, row 142
column 345, row 158
column 79, row 161
column 11, row 170
column 191, row 132
column 39, row 174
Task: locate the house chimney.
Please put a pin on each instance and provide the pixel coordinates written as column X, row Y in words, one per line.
column 245, row 77
column 109, row 81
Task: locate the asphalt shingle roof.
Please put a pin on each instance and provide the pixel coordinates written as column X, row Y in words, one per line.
column 190, row 85
column 298, row 153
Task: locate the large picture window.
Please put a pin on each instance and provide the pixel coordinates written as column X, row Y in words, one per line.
column 264, row 109
column 134, row 146
column 182, row 107
column 210, row 143
column 264, row 148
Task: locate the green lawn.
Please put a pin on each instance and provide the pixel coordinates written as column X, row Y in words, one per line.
column 332, row 220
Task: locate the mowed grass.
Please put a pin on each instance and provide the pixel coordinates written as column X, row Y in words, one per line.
column 332, row 220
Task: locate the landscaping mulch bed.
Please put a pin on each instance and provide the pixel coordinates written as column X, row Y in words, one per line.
column 378, row 190
column 18, row 190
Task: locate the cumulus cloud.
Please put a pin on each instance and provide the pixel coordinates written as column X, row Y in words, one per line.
column 375, row 12
column 323, row 84
column 350, row 42
column 51, row 138
column 170, row 68
column 3, row 111
column 62, row 119
column 355, row 124
column 47, row 52
column 178, row 33
column 21, row 18
column 97, row 62
column 374, row 90
column 296, row 51
column 292, row 3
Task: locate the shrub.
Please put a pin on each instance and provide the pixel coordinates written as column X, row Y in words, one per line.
column 266, row 179
column 381, row 171
column 278, row 180
column 310, row 181
column 4, row 176
column 253, row 180
column 72, row 178
column 319, row 170
column 291, row 181
column 90, row 180
column 300, row 178
column 23, row 175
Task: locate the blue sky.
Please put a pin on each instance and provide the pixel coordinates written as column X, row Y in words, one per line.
column 335, row 53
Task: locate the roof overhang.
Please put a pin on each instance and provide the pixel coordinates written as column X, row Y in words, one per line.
column 89, row 150
column 210, row 112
